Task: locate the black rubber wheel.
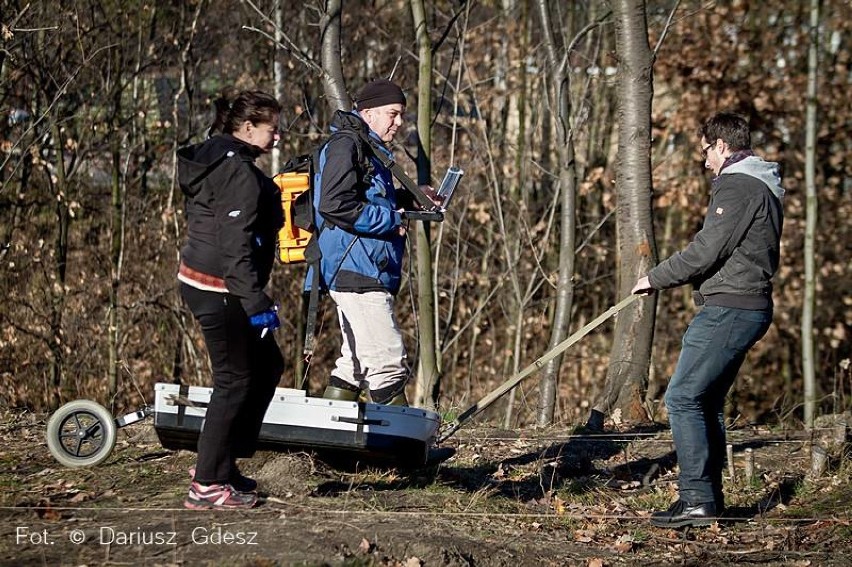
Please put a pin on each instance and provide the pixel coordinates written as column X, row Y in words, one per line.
column 81, row 434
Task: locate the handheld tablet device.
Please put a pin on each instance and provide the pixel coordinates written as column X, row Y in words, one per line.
column 448, row 186
column 445, row 193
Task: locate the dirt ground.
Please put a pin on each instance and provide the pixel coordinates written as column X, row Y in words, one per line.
column 536, row 497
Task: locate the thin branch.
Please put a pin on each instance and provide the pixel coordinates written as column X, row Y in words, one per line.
column 666, row 29
column 437, row 45
column 290, row 46
column 581, row 34
column 300, row 56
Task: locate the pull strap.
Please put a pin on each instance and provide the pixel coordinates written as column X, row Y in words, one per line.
column 450, row 428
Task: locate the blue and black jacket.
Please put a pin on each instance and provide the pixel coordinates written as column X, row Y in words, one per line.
column 356, row 211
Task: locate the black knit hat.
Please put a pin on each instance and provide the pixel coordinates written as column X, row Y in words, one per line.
column 379, row 93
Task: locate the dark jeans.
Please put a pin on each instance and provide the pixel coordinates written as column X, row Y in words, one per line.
column 713, row 350
column 246, row 370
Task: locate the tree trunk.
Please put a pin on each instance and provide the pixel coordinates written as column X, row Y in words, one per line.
column 630, row 355
column 63, row 220
column 332, row 77
column 808, row 301
column 116, row 240
column 559, row 89
column 428, row 374
column 277, row 73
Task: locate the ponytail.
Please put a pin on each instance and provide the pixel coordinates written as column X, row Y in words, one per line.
column 233, row 108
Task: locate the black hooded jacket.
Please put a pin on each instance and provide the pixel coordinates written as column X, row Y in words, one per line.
column 234, row 214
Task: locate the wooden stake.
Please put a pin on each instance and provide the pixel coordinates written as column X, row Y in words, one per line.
column 749, row 464
column 819, row 461
column 729, row 450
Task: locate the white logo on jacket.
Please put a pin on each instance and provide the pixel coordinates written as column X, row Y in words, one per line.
column 234, row 214
column 720, row 210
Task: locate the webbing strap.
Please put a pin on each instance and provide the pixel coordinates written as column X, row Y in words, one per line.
column 313, row 303
column 400, row 174
column 506, row 386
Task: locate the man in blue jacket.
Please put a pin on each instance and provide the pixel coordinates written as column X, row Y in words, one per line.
column 361, row 236
column 730, row 262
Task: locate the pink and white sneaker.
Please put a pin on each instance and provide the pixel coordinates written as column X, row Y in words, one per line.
column 238, row 481
column 206, row 497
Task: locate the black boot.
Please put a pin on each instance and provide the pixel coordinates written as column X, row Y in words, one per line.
column 393, row 395
column 682, row 514
column 239, row 481
column 719, row 500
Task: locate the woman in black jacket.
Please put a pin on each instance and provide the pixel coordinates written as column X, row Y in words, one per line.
column 234, row 213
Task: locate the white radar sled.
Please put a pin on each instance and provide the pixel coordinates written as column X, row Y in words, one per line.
column 83, row 433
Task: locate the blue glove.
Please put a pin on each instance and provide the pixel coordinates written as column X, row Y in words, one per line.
column 265, row 320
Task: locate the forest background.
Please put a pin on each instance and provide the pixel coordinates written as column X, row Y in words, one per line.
column 96, row 95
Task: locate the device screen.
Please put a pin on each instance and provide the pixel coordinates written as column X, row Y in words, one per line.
column 449, row 185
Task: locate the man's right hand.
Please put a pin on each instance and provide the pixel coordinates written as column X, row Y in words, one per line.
column 642, row 287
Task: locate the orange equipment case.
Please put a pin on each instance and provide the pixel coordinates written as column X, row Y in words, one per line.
column 292, row 239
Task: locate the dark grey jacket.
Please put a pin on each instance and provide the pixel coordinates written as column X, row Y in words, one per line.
column 733, row 257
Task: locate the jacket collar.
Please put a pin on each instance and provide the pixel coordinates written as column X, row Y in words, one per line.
column 735, row 157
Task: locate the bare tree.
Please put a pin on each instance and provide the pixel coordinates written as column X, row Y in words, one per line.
column 559, row 91
column 630, row 356
column 332, row 67
column 808, row 348
column 428, row 378
column 277, row 72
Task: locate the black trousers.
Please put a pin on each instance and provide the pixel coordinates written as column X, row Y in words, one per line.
column 246, row 370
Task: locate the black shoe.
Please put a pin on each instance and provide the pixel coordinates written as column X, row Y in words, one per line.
column 682, row 514
column 242, row 483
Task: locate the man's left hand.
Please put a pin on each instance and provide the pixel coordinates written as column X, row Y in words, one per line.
column 430, row 192
column 642, row 287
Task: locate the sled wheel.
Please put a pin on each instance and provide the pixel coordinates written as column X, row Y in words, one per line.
column 81, row 434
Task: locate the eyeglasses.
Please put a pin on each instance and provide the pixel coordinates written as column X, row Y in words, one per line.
column 706, row 149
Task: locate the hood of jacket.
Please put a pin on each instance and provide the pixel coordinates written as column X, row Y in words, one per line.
column 348, row 120
column 352, row 121
column 767, row 171
column 197, row 162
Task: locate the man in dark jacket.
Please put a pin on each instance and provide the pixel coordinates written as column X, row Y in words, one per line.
column 361, row 236
column 731, row 262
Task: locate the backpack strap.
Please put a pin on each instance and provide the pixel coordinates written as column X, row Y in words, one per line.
column 313, row 255
column 398, row 172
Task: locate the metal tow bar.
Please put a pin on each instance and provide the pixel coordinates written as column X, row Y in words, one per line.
column 482, row 404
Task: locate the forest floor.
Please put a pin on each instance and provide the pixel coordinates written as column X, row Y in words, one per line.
column 514, row 498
